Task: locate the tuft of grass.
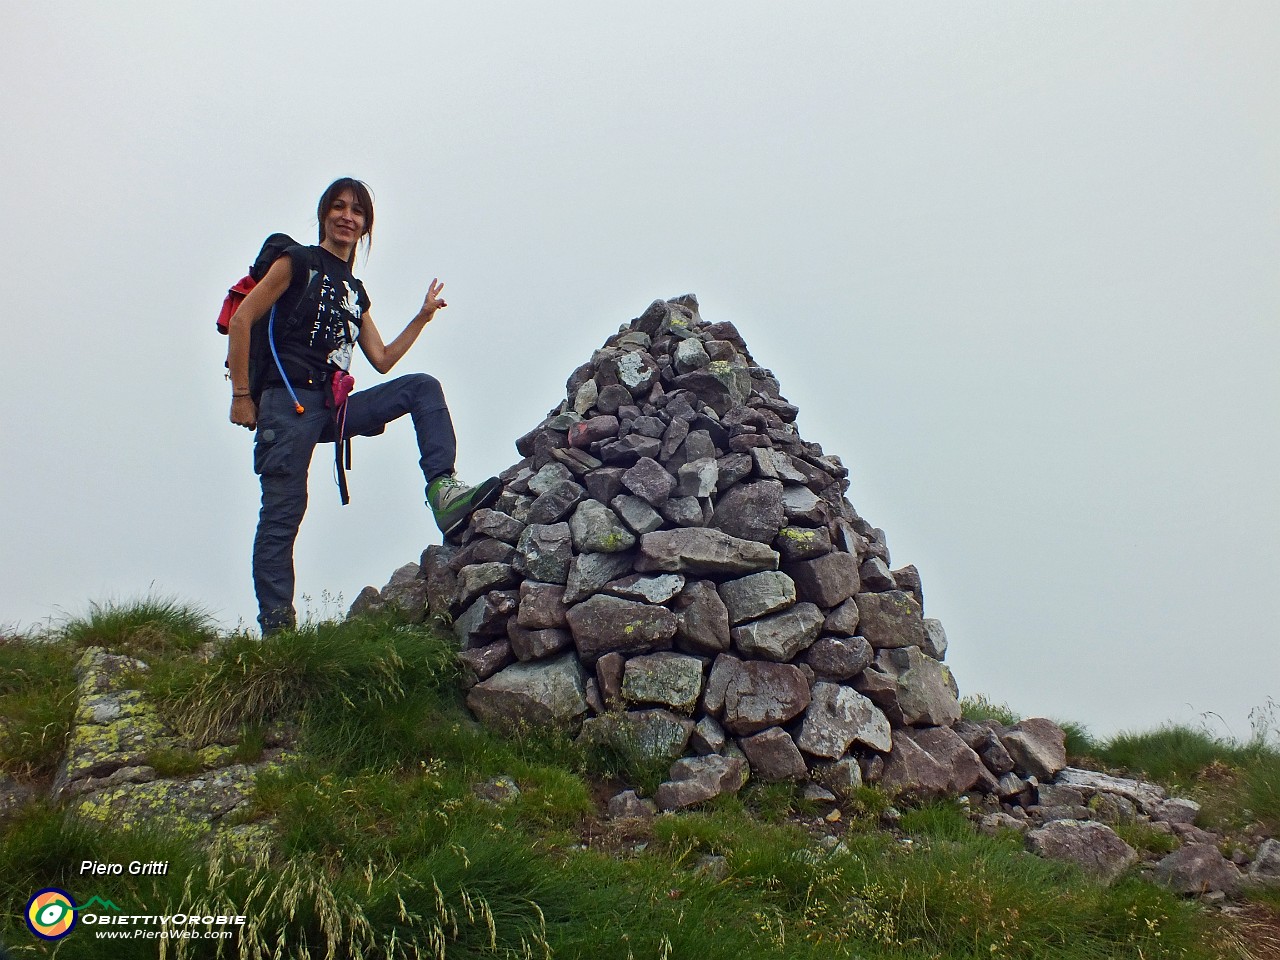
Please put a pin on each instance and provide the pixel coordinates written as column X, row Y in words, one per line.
column 1260, row 788
column 367, row 688
column 37, row 703
column 1142, row 836
column 1170, row 754
column 979, row 707
column 940, row 820
column 1080, row 742
column 151, row 625
column 175, row 762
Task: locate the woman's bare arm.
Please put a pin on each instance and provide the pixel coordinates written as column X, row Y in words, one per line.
column 254, row 307
column 385, row 356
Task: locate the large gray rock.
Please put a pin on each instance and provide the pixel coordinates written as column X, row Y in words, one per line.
column 759, row 694
column 1093, row 847
column 800, row 505
column 703, row 552
column 964, row 767
column 544, row 552
column 652, row 734
column 1265, row 868
column 496, row 524
column 556, row 504
column 651, row 589
column 802, row 543
column 838, row 658
column 481, row 663
column 839, row 716
column 757, row 595
column 529, row 644
column 407, row 590
column 723, row 669
column 691, row 355
column 843, row 620
column 890, row 620
column 913, row 772
column 702, row 622
column 911, row 688
column 596, row 529
column 649, row 481
column 666, row 679
column 935, row 639
column 542, row 605
column 1145, row 796
column 605, row 624
column 774, row 756
column 541, row 693
column 636, row 513
column 590, row 572
column 826, row 580
column 1038, row 747
column 1198, row 868
column 751, row 511
column 481, row 578
column 696, row 780
column 698, row 478
column 780, row 636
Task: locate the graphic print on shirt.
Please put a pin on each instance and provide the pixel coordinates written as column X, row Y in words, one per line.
column 337, row 323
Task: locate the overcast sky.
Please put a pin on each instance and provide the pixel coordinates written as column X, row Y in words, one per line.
column 1016, row 263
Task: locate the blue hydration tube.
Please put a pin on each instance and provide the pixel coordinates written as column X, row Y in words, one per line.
column 271, row 339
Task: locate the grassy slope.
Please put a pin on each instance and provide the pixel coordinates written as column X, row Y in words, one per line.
column 386, row 851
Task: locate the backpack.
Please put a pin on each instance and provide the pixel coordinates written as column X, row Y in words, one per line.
column 262, row 348
column 262, row 343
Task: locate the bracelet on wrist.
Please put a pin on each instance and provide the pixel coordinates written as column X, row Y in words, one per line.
column 235, row 395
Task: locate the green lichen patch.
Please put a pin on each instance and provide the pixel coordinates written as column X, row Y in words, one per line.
column 190, row 807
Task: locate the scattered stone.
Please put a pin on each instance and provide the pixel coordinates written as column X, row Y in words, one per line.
column 1198, row 868
column 698, row 779
column 1038, row 747
column 774, row 756
column 1094, row 847
column 497, row 791
column 628, row 805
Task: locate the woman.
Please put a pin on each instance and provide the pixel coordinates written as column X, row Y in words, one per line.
column 321, row 312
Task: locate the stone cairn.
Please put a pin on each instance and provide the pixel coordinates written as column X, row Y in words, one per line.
column 673, row 566
column 673, row 570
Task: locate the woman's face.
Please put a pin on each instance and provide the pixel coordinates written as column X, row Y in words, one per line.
column 345, row 221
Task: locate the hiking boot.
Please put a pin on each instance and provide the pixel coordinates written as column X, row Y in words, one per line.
column 452, row 501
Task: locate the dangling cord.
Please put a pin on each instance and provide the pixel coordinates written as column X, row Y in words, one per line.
column 342, row 385
column 271, row 339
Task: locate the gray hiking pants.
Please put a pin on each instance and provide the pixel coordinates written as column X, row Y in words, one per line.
column 282, row 452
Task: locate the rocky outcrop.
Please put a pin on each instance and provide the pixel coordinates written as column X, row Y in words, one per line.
column 119, row 743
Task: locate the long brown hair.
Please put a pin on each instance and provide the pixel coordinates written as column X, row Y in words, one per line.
column 364, row 197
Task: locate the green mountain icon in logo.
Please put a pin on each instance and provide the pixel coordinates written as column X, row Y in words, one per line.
column 105, row 904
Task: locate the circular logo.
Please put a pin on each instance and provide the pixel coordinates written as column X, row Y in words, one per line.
column 51, row 913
